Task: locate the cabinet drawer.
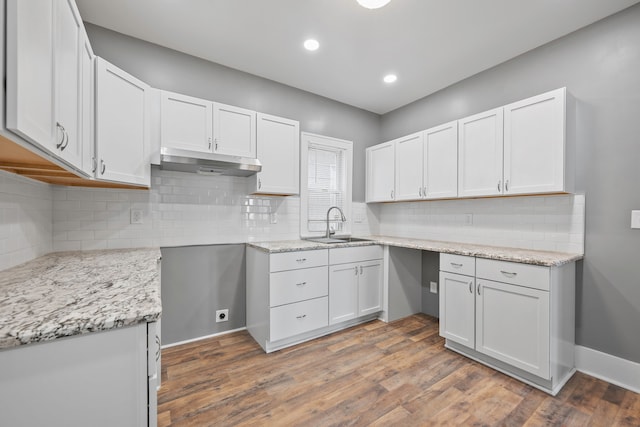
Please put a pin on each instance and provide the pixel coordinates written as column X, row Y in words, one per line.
column 459, row 264
column 354, row 254
column 531, row 276
column 300, row 259
column 298, row 285
column 297, row 318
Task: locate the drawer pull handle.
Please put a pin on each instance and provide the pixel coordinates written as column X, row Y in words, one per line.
column 301, row 259
column 456, row 264
column 479, row 285
column 301, row 284
column 301, row 316
column 508, row 273
column 470, row 290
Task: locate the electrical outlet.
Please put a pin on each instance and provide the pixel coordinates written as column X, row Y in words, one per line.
column 136, row 216
column 635, row 219
column 222, row 315
column 273, row 218
column 433, row 287
column 468, row 219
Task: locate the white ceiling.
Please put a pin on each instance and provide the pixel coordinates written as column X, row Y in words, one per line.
column 429, row 44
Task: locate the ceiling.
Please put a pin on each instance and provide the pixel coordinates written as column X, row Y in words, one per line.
column 429, row 44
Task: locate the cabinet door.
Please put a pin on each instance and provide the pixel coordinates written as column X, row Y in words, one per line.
column 234, row 130
column 441, row 161
column 480, row 154
column 408, row 167
column 121, row 126
column 512, row 325
column 381, row 172
column 30, row 75
column 186, row 122
column 370, row 287
column 457, row 308
column 343, row 292
column 278, row 143
column 534, row 144
column 87, row 106
column 68, row 31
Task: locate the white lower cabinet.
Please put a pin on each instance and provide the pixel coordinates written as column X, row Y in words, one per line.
column 296, row 296
column 514, row 317
column 95, row 379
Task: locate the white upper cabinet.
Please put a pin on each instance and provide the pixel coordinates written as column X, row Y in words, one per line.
column 30, row 74
column 122, row 126
column 480, row 143
column 186, row 122
column 87, row 59
column 408, row 167
column 234, row 130
column 440, row 165
column 44, row 76
column 381, row 172
column 278, row 150
column 535, row 145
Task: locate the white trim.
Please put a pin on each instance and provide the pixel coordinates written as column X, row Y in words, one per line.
column 306, row 139
column 203, row 338
column 613, row 369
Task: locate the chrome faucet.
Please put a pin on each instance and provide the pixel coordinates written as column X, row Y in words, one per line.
column 342, row 218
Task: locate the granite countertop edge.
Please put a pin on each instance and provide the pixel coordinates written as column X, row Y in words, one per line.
column 64, row 294
column 519, row 255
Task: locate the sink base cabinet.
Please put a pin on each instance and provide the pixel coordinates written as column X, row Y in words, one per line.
column 516, row 318
column 294, row 297
column 99, row 379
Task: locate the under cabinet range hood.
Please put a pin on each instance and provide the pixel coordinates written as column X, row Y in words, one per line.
column 177, row 159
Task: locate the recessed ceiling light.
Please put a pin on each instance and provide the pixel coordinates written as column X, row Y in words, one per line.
column 373, row 4
column 311, row 44
column 390, row 78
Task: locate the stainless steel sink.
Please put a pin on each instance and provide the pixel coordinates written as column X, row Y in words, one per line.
column 330, row 240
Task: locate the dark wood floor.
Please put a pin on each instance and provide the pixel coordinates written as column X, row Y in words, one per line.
column 372, row 374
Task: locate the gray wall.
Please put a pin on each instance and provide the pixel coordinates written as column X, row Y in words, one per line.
column 168, row 69
column 430, row 273
column 600, row 66
column 197, row 281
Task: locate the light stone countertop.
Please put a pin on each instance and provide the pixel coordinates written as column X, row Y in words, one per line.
column 525, row 256
column 71, row 293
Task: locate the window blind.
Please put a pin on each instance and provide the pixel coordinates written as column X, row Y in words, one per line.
column 326, row 186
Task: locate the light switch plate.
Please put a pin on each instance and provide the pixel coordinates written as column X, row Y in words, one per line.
column 635, row 219
column 433, row 287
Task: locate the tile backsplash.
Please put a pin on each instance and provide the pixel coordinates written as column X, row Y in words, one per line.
column 184, row 209
column 179, row 209
column 25, row 219
column 554, row 223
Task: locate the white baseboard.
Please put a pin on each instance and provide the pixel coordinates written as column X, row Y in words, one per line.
column 613, row 369
column 202, row 338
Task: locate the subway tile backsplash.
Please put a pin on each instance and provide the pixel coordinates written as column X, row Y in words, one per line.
column 180, row 209
column 25, row 219
column 184, row 209
column 553, row 223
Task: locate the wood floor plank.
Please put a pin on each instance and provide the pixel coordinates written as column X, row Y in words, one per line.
column 371, row 374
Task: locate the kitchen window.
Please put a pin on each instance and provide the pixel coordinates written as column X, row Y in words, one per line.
column 326, row 169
